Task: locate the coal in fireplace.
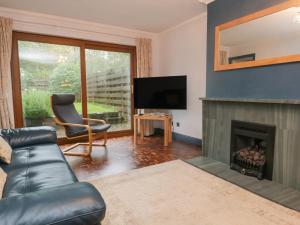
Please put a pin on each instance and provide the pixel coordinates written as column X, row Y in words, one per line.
column 252, row 149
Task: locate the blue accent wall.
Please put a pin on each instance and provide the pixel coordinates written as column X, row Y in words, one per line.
column 268, row 82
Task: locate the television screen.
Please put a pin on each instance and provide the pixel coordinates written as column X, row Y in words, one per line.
column 160, row 92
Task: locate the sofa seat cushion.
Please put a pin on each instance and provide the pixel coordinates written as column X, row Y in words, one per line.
column 34, row 155
column 37, row 177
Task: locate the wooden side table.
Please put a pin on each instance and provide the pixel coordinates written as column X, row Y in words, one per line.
column 166, row 119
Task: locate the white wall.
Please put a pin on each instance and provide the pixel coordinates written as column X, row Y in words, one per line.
column 182, row 51
column 155, row 54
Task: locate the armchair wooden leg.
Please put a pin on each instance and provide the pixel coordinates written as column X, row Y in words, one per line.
column 105, row 138
column 90, row 148
column 66, row 151
column 89, row 144
column 71, row 147
column 77, row 154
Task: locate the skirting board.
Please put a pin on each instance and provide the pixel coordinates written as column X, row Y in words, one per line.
column 180, row 137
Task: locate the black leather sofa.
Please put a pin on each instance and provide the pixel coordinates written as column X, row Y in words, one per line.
column 41, row 188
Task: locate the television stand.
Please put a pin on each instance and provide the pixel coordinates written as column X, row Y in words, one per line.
column 138, row 120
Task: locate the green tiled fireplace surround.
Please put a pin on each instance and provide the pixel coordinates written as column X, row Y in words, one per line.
column 284, row 114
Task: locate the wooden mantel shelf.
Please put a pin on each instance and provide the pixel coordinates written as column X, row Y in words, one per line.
column 249, row 100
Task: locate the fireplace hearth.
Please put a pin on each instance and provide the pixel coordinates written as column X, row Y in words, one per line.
column 252, row 149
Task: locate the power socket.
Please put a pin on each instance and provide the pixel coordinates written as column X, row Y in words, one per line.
column 178, row 124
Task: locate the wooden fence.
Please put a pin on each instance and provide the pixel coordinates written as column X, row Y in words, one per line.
column 112, row 89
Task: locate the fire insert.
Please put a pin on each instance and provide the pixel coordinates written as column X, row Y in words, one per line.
column 252, row 149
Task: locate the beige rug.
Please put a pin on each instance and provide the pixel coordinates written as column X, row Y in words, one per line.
column 176, row 193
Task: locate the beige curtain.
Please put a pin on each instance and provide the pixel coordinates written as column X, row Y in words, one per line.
column 223, row 58
column 144, row 69
column 6, row 100
column 144, row 57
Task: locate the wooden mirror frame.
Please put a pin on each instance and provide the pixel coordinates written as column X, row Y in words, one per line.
column 245, row 19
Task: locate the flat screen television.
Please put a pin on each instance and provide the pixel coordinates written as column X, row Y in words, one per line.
column 160, row 92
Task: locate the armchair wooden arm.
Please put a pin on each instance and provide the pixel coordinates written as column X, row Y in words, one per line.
column 95, row 120
column 71, row 124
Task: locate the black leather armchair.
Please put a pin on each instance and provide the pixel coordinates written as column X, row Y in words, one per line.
column 41, row 188
column 75, row 125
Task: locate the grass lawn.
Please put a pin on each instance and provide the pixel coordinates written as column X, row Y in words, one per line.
column 95, row 107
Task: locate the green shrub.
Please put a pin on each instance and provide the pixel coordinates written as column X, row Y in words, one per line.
column 66, row 79
column 36, row 104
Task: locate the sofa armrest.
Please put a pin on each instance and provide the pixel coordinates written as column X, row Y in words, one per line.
column 76, row 204
column 29, row 136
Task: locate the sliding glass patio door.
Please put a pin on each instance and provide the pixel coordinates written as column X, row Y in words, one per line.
column 108, row 87
column 99, row 75
column 46, row 69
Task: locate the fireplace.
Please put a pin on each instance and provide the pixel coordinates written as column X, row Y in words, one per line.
column 252, row 149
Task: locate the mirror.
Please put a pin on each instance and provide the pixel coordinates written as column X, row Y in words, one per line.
column 270, row 36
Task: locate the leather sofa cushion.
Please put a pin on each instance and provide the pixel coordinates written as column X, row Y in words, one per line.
column 74, row 204
column 34, row 155
column 29, row 136
column 35, row 168
column 37, row 177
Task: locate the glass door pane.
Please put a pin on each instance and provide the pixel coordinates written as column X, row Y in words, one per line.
column 47, row 69
column 108, row 87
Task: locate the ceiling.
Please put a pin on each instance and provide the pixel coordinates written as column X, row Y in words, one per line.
column 147, row 15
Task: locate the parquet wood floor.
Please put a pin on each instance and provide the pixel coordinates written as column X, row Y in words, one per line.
column 120, row 155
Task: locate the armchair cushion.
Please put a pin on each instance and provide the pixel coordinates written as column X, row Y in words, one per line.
column 63, row 99
column 64, row 109
column 95, row 129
